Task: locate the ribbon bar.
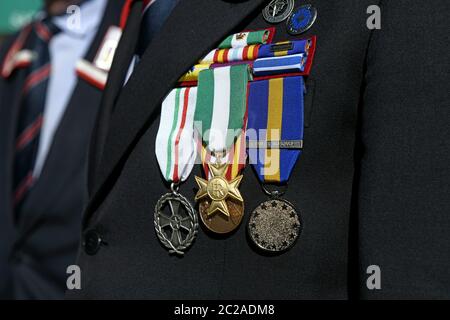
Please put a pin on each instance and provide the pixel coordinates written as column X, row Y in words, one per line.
column 192, row 75
column 285, row 48
column 247, row 53
column 253, row 52
column 280, row 65
column 244, row 39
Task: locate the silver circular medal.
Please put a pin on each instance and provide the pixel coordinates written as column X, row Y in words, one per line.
column 278, row 10
column 274, row 226
column 176, row 222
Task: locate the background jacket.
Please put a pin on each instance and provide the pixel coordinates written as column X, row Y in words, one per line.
column 36, row 249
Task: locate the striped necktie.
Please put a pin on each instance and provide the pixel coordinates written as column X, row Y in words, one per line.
column 31, row 111
column 154, row 16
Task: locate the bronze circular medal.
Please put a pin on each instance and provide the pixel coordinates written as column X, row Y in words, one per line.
column 274, row 225
column 221, row 223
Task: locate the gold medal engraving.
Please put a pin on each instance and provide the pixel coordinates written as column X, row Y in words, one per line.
column 221, row 204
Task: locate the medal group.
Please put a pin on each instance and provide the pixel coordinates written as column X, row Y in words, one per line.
column 242, row 103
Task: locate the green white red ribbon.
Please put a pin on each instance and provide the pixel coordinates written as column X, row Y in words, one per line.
column 175, row 144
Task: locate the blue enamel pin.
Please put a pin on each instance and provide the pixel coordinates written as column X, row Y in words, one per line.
column 301, row 19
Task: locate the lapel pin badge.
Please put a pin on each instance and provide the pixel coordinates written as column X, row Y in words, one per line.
column 302, row 19
column 278, row 10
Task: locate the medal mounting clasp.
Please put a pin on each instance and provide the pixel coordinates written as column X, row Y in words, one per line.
column 273, row 192
column 175, row 188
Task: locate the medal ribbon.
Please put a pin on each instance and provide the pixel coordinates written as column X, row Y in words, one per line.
column 279, row 65
column 247, row 53
column 175, row 144
column 275, row 115
column 236, row 157
column 221, row 106
column 285, row 48
column 244, row 39
column 255, row 51
column 192, row 75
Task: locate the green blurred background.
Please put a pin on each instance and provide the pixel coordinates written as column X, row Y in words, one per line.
column 16, row 13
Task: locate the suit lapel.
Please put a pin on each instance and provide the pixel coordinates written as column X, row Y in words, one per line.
column 193, row 29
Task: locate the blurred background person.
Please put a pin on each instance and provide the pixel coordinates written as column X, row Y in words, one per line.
column 52, row 74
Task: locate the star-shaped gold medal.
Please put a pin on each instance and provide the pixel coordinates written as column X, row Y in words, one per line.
column 219, row 189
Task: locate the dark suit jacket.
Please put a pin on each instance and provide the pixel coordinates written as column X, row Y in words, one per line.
column 372, row 184
column 36, row 250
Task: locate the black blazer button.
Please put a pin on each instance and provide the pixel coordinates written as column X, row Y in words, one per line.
column 92, row 242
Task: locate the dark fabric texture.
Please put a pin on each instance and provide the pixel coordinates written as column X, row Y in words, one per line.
column 152, row 21
column 36, row 250
column 372, row 184
column 404, row 187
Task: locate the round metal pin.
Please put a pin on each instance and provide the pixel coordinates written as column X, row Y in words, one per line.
column 278, row 10
column 302, row 19
column 176, row 222
column 274, row 226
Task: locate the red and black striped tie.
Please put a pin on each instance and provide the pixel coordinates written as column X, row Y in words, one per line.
column 31, row 112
